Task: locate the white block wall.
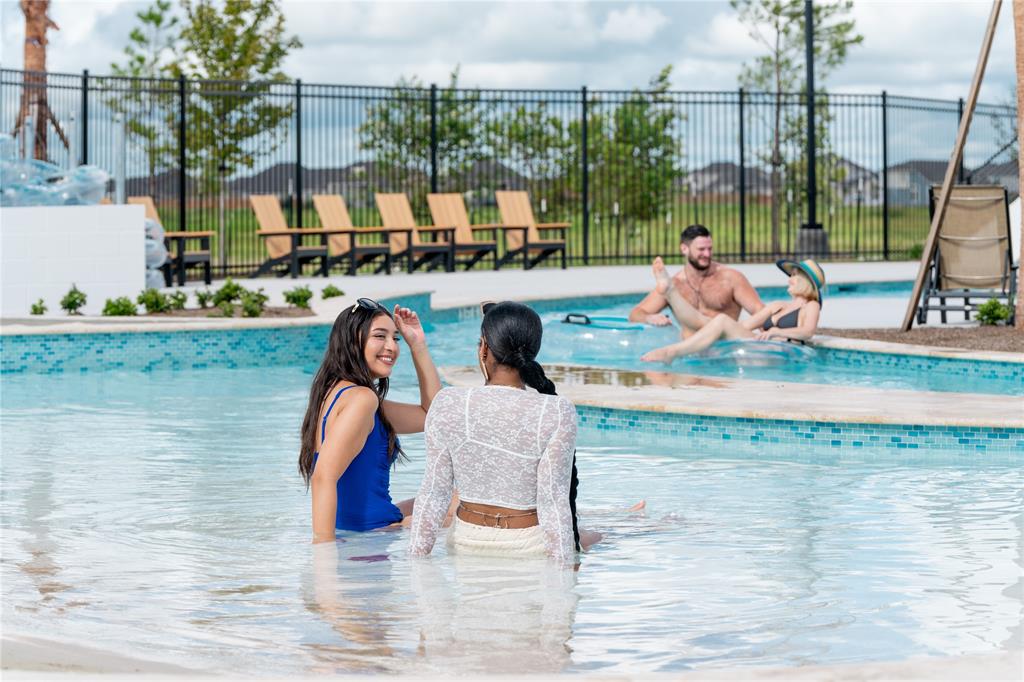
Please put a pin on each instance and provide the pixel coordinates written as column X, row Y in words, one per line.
column 46, row 249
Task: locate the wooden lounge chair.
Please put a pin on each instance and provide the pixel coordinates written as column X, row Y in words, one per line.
column 973, row 258
column 522, row 236
column 283, row 243
column 405, row 239
column 180, row 258
column 345, row 247
column 450, row 210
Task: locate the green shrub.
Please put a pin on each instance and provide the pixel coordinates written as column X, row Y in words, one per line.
column 253, row 302
column 178, row 300
column 227, row 308
column 229, row 291
column 915, row 252
column 73, row 300
column 154, row 301
column 203, row 297
column 38, row 308
column 330, row 291
column 121, row 306
column 993, row 312
column 298, row 297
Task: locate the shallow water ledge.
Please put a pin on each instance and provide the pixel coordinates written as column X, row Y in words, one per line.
column 755, row 413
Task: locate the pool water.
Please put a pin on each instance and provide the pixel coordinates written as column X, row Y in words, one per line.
column 161, row 515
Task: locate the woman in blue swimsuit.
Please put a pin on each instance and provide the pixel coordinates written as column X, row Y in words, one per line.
column 792, row 320
column 349, row 433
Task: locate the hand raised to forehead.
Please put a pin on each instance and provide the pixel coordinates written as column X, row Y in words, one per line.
column 409, row 326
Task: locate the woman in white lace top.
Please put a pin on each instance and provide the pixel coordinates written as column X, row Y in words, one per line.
column 507, row 450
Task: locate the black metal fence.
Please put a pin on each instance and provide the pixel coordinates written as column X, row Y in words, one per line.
column 628, row 169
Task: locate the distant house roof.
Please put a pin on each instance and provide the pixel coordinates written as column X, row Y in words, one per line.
column 933, row 171
column 724, row 177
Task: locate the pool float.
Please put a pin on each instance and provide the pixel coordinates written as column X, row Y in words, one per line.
column 581, row 337
column 746, row 353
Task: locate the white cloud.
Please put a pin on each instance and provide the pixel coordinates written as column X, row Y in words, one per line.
column 634, row 24
column 914, row 48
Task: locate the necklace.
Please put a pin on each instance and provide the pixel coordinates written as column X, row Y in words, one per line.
column 697, row 289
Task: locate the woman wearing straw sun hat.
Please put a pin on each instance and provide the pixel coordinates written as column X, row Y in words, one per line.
column 792, row 320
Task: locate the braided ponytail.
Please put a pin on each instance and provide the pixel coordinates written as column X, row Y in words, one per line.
column 533, row 376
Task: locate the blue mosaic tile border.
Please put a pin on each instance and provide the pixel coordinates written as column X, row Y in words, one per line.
column 147, row 351
column 751, row 436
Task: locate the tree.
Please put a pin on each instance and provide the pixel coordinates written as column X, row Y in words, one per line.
column 397, row 132
column 778, row 26
column 147, row 105
column 534, row 142
column 635, row 143
column 237, row 118
column 34, row 101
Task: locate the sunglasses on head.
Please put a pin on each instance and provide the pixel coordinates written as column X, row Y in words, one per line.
column 486, row 306
column 367, row 304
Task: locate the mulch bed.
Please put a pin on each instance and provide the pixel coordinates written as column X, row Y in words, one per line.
column 969, row 338
column 269, row 311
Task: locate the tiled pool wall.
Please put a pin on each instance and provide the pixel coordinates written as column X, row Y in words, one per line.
column 751, row 436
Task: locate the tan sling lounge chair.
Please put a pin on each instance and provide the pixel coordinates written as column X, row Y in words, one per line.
column 405, row 239
column 450, row 210
column 972, row 259
column 180, row 258
column 522, row 237
column 345, row 247
column 283, row 243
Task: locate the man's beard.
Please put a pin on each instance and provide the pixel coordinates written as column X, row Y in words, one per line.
column 697, row 266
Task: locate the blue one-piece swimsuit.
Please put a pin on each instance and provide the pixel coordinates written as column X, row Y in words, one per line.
column 364, row 502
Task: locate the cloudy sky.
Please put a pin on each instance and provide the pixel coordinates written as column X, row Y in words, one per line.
column 911, row 47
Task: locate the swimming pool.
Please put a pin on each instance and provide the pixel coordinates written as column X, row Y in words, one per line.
column 160, row 515
column 453, row 333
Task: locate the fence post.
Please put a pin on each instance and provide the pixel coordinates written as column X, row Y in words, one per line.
column 959, row 117
column 433, row 138
column 585, row 169
column 885, row 175
column 743, row 183
column 85, row 116
column 182, row 177
column 297, row 203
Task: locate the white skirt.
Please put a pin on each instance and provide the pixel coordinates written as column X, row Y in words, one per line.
column 469, row 538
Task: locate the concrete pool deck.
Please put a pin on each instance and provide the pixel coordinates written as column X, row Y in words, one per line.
column 458, row 289
column 659, row 391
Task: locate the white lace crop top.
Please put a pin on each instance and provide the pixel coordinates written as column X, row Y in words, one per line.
column 501, row 446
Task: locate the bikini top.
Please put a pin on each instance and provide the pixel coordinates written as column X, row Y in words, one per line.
column 787, row 321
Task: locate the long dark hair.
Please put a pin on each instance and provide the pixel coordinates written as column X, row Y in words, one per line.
column 344, row 360
column 513, row 333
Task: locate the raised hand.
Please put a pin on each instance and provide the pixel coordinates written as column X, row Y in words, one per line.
column 409, row 326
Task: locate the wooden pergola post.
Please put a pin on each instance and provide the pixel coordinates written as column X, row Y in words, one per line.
column 954, row 161
column 1018, row 36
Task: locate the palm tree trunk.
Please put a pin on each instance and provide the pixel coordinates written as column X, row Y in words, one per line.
column 33, row 94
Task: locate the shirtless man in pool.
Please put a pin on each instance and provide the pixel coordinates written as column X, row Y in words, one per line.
column 710, row 287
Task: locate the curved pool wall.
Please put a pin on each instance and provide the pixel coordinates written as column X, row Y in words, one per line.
column 302, row 345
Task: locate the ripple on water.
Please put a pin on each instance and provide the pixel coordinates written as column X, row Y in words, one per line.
column 162, row 515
